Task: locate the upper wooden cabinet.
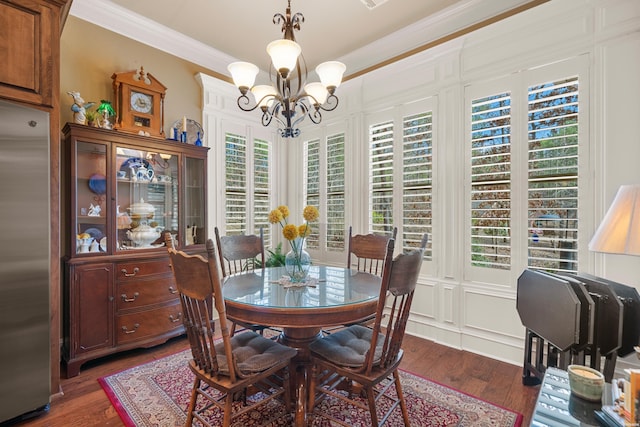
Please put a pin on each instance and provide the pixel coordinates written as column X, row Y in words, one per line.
column 123, row 190
column 29, row 42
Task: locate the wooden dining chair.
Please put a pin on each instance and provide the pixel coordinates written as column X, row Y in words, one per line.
column 244, row 363
column 369, row 358
column 366, row 252
column 240, row 254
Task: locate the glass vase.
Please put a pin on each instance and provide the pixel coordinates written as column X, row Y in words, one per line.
column 297, row 262
column 296, row 297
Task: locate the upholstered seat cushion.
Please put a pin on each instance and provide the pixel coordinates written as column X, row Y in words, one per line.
column 254, row 353
column 348, row 347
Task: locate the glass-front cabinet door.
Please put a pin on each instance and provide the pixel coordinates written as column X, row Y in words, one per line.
column 125, row 190
column 146, row 197
column 195, row 232
column 90, row 196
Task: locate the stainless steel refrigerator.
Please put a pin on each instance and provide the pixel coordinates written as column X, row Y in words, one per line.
column 24, row 261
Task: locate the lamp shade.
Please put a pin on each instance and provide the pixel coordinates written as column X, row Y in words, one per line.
column 619, row 232
column 330, row 73
column 317, row 91
column 264, row 94
column 243, row 74
column 284, row 54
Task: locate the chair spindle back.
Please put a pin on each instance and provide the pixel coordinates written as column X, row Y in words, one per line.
column 399, row 279
column 198, row 282
column 367, row 251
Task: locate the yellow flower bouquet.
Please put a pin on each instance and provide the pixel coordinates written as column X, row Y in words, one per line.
column 297, row 261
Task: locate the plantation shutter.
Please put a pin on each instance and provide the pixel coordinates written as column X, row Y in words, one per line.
column 381, row 180
column 261, row 192
column 553, row 175
column 417, row 180
column 235, row 184
column 491, row 182
column 312, row 182
column 335, row 192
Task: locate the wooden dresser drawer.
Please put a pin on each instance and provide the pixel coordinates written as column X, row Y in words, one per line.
column 139, row 269
column 149, row 323
column 134, row 294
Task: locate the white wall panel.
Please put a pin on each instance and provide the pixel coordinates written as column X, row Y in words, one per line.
column 492, row 313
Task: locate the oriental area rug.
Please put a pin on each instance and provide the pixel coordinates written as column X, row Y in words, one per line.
column 157, row 394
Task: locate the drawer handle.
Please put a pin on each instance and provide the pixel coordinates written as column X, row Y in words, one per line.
column 127, row 274
column 127, row 299
column 127, row 331
column 172, row 290
column 175, row 319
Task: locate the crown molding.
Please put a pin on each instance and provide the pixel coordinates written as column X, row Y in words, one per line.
column 459, row 19
column 113, row 17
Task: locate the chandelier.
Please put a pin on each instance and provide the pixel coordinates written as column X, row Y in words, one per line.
column 288, row 99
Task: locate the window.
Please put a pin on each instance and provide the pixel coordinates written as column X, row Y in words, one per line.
column 312, row 181
column 247, row 186
column 416, row 180
column 331, row 189
column 401, row 180
column 235, row 184
column 491, row 181
column 541, row 158
column 335, row 193
column 381, row 179
column 261, row 193
column 553, row 175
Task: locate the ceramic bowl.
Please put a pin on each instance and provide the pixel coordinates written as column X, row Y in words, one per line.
column 585, row 382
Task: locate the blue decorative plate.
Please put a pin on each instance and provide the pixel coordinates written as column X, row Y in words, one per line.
column 98, row 183
column 95, row 233
column 135, row 162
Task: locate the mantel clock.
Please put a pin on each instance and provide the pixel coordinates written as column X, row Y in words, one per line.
column 139, row 103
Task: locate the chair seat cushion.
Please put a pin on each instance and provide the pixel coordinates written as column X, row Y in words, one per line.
column 254, row 353
column 348, row 347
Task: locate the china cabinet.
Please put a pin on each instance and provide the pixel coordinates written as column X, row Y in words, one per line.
column 123, row 191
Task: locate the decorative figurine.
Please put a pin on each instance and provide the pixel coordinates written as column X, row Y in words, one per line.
column 79, row 108
column 94, row 210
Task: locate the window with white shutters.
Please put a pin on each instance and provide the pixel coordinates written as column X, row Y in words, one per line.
column 235, row 184
column 261, row 191
column 247, row 186
column 491, row 181
column 335, row 193
column 312, row 182
column 416, row 180
column 326, row 190
column 553, row 175
column 381, row 177
column 525, row 138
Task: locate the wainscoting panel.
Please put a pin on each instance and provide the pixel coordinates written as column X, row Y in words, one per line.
column 424, row 301
column 480, row 310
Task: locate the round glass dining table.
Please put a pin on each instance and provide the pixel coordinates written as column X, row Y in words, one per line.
column 332, row 296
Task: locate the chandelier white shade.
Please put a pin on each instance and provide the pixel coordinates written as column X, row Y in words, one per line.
column 619, row 232
column 284, row 55
column 289, row 99
column 330, row 74
column 244, row 74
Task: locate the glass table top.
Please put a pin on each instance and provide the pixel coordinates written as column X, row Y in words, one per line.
column 332, row 287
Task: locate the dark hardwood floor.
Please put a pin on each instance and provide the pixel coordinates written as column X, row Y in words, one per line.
column 84, row 403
